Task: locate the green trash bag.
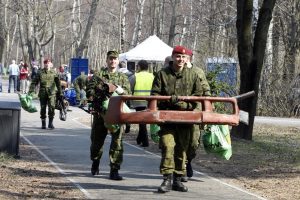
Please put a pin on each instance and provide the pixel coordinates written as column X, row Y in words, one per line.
column 216, row 140
column 154, row 129
column 26, row 103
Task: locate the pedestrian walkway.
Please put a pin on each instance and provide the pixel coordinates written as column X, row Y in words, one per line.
column 67, row 148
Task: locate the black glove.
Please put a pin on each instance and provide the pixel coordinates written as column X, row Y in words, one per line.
column 181, row 105
column 174, row 99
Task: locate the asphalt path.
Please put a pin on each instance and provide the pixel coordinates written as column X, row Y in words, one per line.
column 67, row 149
column 278, row 121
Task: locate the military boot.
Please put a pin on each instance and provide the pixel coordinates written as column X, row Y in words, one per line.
column 184, row 178
column 189, row 169
column 127, row 128
column 177, row 184
column 95, row 167
column 43, row 123
column 50, row 125
column 166, row 184
column 114, row 175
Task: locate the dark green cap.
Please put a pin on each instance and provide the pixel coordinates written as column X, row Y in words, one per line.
column 113, row 53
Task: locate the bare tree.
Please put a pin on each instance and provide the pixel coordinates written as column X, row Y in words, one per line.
column 172, row 33
column 292, row 40
column 2, row 29
column 138, row 23
column 123, row 25
column 84, row 40
column 251, row 54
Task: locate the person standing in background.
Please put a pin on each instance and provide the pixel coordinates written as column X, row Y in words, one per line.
column 167, row 61
column 49, row 86
column 195, row 135
column 34, row 71
column 14, row 72
column 141, row 86
column 79, row 84
column 24, row 78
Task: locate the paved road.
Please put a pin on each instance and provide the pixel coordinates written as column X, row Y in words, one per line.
column 67, row 148
column 285, row 122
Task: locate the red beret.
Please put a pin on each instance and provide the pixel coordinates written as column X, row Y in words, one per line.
column 189, row 52
column 179, row 50
column 47, row 60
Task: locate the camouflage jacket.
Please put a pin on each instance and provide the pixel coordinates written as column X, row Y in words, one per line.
column 49, row 83
column 204, row 83
column 116, row 78
column 80, row 82
column 185, row 83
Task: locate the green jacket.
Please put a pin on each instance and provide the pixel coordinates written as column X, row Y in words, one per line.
column 204, row 83
column 49, row 83
column 80, row 82
column 185, row 83
column 116, row 78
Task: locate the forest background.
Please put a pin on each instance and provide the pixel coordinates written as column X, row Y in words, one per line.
column 31, row 30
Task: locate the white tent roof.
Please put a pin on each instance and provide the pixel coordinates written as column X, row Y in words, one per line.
column 151, row 49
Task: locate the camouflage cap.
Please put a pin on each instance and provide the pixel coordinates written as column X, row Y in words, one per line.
column 112, row 53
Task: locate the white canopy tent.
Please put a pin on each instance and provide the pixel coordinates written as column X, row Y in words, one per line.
column 151, row 49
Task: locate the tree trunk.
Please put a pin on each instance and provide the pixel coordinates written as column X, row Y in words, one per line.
column 183, row 31
column 139, row 31
column 174, row 5
column 251, row 56
column 160, row 18
column 138, row 23
column 23, row 40
column 123, row 25
column 293, row 43
column 2, row 33
column 84, row 41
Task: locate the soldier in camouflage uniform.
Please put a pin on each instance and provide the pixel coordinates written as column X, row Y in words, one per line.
column 175, row 80
column 49, row 86
column 99, row 131
column 80, row 83
column 195, row 135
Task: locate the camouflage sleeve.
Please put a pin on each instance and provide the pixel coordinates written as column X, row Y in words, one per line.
column 203, row 81
column 156, row 90
column 91, row 85
column 76, row 86
column 34, row 83
column 57, row 83
column 156, row 85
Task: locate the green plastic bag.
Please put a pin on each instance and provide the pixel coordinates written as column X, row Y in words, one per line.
column 216, row 140
column 26, row 103
column 113, row 127
column 154, row 129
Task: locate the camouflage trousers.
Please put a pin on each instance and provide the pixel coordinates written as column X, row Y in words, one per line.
column 98, row 135
column 174, row 142
column 194, row 142
column 50, row 101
